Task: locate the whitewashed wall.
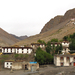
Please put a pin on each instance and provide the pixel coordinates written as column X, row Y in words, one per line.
column 65, row 51
column 7, row 64
column 28, row 51
column 17, row 50
column 16, row 66
column 58, row 61
column 65, row 44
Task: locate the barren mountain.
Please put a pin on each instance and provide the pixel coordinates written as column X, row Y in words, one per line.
column 58, row 27
column 6, row 39
column 58, row 19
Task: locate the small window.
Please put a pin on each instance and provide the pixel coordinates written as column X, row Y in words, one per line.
column 10, row 63
column 61, row 58
column 22, row 51
column 67, row 58
column 27, row 51
column 70, row 63
column 17, row 51
column 7, row 50
column 7, row 63
column 11, row 50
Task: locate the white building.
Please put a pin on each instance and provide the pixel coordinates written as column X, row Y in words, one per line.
column 55, row 43
column 64, row 60
column 17, row 50
column 35, row 45
column 8, row 64
column 65, row 45
column 17, row 65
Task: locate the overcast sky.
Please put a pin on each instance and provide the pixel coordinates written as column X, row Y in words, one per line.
column 27, row 17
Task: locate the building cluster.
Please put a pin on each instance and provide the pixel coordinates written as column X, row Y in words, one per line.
column 16, row 50
column 64, row 59
column 20, row 64
column 65, row 45
column 17, row 65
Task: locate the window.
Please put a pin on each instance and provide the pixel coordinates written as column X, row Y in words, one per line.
column 11, row 50
column 61, row 64
column 7, row 50
column 7, row 63
column 27, row 51
column 22, row 51
column 61, row 58
column 65, row 49
column 10, row 63
column 67, row 58
column 70, row 63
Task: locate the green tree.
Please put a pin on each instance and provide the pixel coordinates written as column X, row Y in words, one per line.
column 43, row 57
column 60, row 49
column 48, row 47
column 57, row 49
column 72, row 46
column 54, row 40
column 65, row 38
column 41, row 41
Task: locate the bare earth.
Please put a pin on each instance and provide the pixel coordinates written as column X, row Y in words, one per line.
column 47, row 70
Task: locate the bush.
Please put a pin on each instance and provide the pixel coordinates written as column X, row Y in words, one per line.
column 54, row 40
column 26, row 55
column 16, row 55
column 43, row 57
column 21, row 56
column 5, row 56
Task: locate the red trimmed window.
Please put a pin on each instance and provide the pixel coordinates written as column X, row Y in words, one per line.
column 61, row 58
column 74, row 58
column 67, row 58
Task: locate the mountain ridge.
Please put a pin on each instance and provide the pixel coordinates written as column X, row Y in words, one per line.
column 20, row 37
column 58, row 29
column 58, row 19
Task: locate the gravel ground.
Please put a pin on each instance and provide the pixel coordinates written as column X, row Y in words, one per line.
column 46, row 70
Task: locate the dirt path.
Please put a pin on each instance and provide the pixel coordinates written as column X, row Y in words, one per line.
column 49, row 70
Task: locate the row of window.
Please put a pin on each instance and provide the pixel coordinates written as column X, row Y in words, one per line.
column 62, row 58
column 14, row 51
column 63, row 64
column 9, row 63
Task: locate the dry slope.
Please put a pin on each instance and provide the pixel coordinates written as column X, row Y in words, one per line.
column 6, row 39
column 58, row 19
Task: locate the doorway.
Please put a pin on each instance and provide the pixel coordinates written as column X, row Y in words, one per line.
column 26, row 67
column 61, row 64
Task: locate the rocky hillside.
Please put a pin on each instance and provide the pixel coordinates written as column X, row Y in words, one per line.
column 59, row 27
column 6, row 39
column 58, row 19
